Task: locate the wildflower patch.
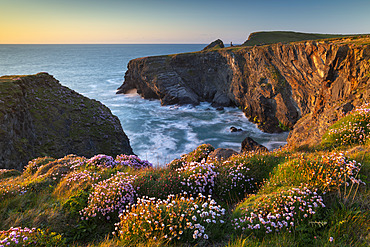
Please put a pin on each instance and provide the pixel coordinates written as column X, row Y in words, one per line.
column 177, row 218
column 280, row 212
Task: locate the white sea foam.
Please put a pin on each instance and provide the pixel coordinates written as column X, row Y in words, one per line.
column 157, row 133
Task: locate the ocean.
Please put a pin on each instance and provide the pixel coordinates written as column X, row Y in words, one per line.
column 157, row 133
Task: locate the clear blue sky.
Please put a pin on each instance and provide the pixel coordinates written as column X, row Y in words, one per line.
column 173, row 21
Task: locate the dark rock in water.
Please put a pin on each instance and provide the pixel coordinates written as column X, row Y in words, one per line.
column 40, row 117
column 221, row 99
column 249, row 144
column 215, row 44
column 234, row 129
column 221, row 154
column 220, row 108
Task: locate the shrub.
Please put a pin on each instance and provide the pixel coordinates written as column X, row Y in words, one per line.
column 178, row 218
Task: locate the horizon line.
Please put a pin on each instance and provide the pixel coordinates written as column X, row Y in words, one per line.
column 165, row 43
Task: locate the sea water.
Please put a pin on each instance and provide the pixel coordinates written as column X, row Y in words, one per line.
column 157, row 133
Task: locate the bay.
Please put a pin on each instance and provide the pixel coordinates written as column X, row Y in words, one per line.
column 157, row 133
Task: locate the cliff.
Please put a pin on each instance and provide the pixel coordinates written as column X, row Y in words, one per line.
column 304, row 86
column 40, row 117
column 271, row 37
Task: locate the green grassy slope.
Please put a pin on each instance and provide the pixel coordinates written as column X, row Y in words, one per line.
column 262, row 38
column 280, row 198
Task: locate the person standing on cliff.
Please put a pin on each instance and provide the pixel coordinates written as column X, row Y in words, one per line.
column 231, row 43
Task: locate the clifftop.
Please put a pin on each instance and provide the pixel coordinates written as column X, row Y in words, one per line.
column 40, row 117
column 304, row 86
column 272, row 37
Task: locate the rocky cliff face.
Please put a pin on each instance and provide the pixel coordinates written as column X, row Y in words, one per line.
column 304, row 86
column 40, row 117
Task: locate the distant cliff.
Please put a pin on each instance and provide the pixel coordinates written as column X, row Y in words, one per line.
column 40, row 117
column 304, row 86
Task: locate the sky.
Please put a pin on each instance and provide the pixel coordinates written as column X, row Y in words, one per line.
column 172, row 21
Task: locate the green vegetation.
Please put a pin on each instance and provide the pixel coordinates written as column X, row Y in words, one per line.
column 265, row 38
column 280, row 198
column 351, row 129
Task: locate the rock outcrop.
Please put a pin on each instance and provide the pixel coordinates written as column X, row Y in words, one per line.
column 214, row 45
column 220, row 154
column 304, row 86
column 40, row 117
column 249, row 144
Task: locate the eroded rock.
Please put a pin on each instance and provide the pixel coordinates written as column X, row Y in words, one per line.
column 249, row 144
column 221, row 154
column 302, row 86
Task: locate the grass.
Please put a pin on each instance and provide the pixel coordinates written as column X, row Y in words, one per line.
column 272, row 37
column 280, row 198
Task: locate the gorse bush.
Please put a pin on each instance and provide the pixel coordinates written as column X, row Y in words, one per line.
column 354, row 128
column 177, row 218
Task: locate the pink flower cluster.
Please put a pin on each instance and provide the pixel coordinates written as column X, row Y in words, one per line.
column 102, row 161
column 281, row 212
column 341, row 169
column 171, row 219
column 82, row 176
column 10, row 189
column 357, row 130
column 110, row 196
column 105, row 161
column 198, row 177
column 234, row 179
column 132, row 161
column 17, row 236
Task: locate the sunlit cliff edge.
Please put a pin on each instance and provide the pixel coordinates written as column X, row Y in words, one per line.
column 302, row 86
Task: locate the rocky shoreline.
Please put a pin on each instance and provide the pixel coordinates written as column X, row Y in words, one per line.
column 301, row 86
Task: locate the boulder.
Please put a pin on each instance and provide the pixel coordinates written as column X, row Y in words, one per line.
column 234, row 129
column 249, row 144
column 220, row 154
